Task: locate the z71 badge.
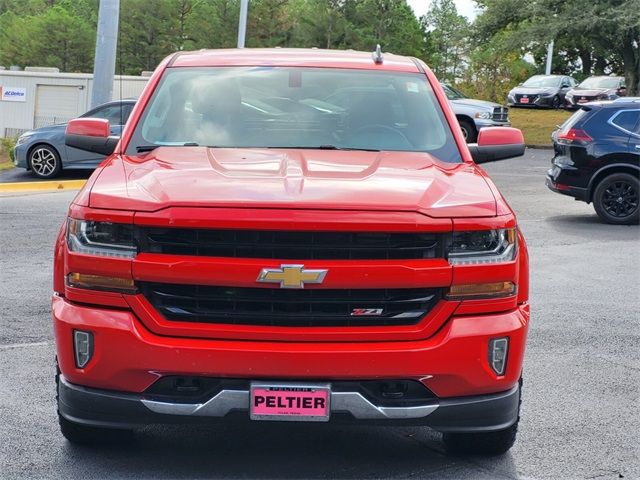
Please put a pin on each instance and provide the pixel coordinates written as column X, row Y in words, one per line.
column 358, row 312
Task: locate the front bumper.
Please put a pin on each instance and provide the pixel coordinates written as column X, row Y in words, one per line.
column 487, row 122
column 20, row 155
column 102, row 408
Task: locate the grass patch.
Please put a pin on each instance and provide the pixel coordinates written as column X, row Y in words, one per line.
column 5, row 164
column 537, row 125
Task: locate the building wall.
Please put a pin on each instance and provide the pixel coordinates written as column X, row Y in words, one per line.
column 54, row 98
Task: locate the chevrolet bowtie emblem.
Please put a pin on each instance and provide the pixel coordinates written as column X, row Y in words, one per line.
column 291, row 276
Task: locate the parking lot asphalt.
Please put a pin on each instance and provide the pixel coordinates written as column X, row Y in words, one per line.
column 580, row 412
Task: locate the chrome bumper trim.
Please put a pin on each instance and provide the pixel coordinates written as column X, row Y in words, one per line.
column 341, row 402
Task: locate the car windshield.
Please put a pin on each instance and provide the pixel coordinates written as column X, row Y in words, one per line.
column 542, row 82
column 601, row 82
column 292, row 107
column 452, row 93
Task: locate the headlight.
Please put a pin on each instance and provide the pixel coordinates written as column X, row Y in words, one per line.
column 483, row 246
column 483, row 115
column 100, row 238
column 23, row 138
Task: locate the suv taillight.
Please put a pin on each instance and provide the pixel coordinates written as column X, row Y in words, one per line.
column 575, row 135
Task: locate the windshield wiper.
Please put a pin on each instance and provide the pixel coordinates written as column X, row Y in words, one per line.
column 149, row 148
column 329, row 147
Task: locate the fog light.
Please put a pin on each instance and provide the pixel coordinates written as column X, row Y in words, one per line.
column 498, row 348
column 83, row 346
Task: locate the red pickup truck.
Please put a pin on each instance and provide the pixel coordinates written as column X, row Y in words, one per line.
column 291, row 235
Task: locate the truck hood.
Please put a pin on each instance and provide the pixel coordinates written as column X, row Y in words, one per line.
column 292, row 178
column 472, row 102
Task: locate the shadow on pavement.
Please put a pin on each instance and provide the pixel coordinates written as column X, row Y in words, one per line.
column 285, row 451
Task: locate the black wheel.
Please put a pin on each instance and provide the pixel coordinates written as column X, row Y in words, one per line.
column 484, row 443
column 468, row 131
column 83, row 435
column 556, row 103
column 44, row 161
column 615, row 199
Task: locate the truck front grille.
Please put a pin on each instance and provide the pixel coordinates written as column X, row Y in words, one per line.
column 290, row 308
column 290, row 245
column 500, row 114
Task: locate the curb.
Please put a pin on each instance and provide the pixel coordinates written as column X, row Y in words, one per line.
column 41, row 186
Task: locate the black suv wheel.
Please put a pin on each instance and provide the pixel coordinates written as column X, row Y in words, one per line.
column 615, row 199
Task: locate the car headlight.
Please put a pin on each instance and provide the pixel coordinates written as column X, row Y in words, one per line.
column 483, row 246
column 101, row 238
column 23, row 138
column 483, row 115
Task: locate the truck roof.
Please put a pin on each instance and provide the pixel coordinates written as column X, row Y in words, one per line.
column 287, row 57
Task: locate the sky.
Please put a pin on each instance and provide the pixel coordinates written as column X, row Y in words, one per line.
column 465, row 7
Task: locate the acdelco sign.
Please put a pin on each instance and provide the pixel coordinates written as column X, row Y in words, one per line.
column 13, row 94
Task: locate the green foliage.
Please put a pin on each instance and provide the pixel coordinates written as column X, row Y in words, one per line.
column 493, row 71
column 591, row 37
column 6, row 147
column 484, row 58
column 448, row 39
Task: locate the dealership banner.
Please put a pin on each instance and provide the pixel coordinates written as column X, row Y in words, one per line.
column 13, row 94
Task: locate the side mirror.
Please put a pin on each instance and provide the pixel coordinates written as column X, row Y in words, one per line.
column 497, row 143
column 91, row 135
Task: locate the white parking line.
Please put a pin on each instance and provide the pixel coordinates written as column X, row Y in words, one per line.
column 21, row 345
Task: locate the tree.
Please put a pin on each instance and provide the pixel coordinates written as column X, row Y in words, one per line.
column 604, row 35
column 448, row 39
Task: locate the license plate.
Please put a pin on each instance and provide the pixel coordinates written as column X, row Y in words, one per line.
column 583, row 100
column 297, row 403
column 524, row 100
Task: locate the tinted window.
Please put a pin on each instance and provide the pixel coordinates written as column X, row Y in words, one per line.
column 292, row 107
column 627, row 120
column 572, row 120
column 452, row 93
column 116, row 114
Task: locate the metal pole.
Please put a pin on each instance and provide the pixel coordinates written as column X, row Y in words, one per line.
column 106, row 42
column 242, row 25
column 549, row 58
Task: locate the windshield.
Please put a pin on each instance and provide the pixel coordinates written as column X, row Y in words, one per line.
column 452, row 93
column 274, row 107
column 600, row 82
column 542, row 82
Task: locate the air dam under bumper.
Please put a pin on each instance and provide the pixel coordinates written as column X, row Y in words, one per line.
column 105, row 408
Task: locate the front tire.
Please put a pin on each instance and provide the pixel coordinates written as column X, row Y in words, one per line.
column 468, row 131
column 615, row 199
column 556, row 103
column 44, row 161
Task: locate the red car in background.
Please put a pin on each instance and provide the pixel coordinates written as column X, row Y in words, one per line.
column 251, row 251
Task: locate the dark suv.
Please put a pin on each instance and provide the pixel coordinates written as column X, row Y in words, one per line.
column 597, row 159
